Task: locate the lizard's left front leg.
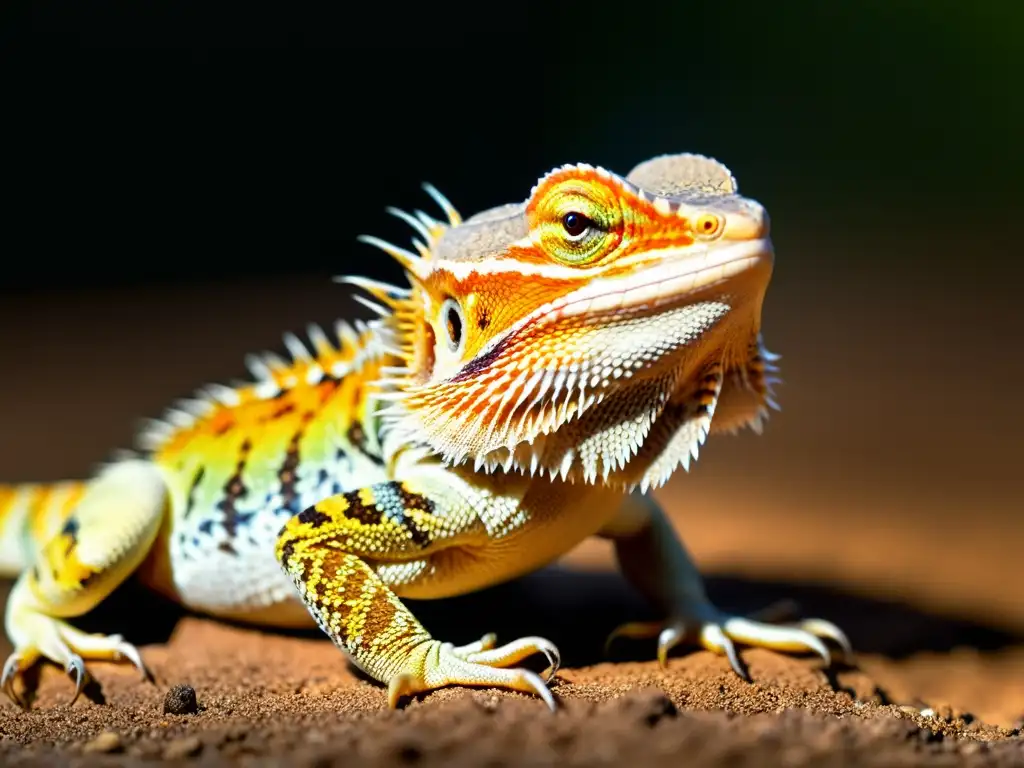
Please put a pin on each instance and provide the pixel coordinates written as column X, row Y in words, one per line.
column 655, row 561
column 345, row 551
column 106, row 537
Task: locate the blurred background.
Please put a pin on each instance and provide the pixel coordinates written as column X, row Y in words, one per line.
column 168, row 211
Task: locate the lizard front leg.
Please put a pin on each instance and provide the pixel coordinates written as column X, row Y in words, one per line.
column 656, row 562
column 101, row 543
column 343, row 554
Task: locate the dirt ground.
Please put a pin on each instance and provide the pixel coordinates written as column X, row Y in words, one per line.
column 289, row 698
column 910, row 544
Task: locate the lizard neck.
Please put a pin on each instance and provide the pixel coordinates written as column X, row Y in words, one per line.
column 636, row 432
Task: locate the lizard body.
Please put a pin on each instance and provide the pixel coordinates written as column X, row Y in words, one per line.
column 549, row 363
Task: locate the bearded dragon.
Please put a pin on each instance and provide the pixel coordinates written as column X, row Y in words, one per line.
column 548, row 365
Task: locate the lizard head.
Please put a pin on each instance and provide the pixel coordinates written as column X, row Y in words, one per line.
column 588, row 332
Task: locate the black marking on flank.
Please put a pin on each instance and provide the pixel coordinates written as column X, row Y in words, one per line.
column 191, row 500
column 357, row 438
column 483, row 319
column 227, row 548
column 235, row 489
column 288, row 473
column 343, row 462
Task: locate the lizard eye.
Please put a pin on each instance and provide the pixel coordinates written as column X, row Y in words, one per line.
column 576, row 224
column 708, row 225
column 454, row 324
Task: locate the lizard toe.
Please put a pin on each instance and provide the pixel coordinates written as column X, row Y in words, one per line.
column 485, row 643
column 45, row 638
column 721, row 633
column 442, row 664
column 514, row 652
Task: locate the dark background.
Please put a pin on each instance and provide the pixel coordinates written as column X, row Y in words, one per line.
column 179, row 188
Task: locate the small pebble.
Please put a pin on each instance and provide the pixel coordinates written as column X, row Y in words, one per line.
column 106, row 742
column 179, row 748
column 181, row 700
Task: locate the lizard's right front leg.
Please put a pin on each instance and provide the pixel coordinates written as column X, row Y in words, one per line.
column 343, row 552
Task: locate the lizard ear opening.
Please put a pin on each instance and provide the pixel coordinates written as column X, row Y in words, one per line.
column 454, row 323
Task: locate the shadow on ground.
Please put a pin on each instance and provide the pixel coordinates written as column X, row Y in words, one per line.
column 578, row 609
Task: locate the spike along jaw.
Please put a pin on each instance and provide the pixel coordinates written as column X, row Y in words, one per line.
column 550, row 337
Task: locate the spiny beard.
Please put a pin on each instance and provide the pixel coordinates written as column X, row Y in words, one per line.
column 588, row 421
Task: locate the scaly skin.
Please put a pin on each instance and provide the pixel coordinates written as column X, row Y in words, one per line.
column 549, row 364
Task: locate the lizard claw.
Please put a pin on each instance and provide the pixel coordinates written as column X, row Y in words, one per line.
column 76, row 667
column 719, row 633
column 829, row 631
column 14, row 663
column 715, row 639
column 123, row 650
column 635, row 630
column 69, row 647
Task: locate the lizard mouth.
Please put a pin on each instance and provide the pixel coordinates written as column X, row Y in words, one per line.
column 679, row 276
column 676, row 277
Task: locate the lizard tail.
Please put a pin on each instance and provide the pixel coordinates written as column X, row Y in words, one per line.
column 30, row 514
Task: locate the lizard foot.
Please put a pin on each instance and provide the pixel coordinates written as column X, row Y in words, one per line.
column 42, row 637
column 482, row 663
column 718, row 632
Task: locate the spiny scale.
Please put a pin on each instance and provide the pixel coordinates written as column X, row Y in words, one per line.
column 272, row 374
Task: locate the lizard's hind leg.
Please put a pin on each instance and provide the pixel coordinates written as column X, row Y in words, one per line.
column 100, row 544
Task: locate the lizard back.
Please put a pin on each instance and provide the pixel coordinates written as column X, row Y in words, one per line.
column 241, row 460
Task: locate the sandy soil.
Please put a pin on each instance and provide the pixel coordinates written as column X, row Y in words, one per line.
column 912, row 547
column 276, row 697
